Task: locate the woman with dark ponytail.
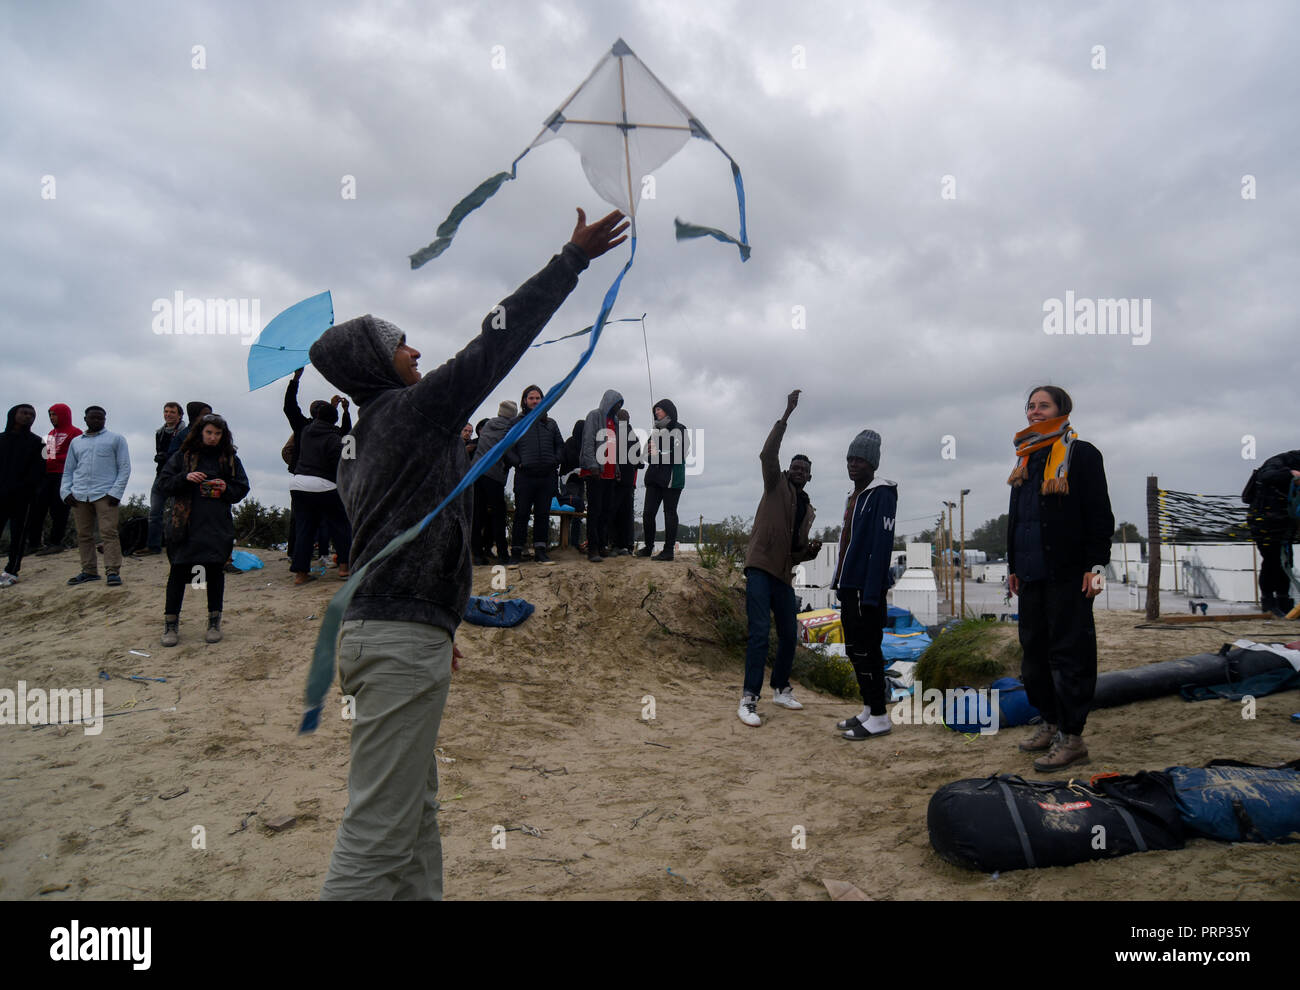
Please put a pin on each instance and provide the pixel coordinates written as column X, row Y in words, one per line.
column 1058, row 543
column 202, row 481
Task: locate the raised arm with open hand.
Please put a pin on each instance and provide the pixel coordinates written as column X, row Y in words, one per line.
column 599, row 237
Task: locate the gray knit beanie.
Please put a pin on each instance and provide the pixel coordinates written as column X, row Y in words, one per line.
column 867, row 446
column 389, row 335
column 508, row 409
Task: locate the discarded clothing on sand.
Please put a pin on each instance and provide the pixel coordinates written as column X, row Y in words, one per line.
column 497, row 612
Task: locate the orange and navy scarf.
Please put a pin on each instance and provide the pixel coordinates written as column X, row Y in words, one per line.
column 1054, row 433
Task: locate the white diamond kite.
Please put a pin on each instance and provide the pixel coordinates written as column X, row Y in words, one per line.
column 624, row 123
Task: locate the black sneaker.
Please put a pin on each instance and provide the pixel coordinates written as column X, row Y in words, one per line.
column 516, row 557
column 480, row 560
column 664, row 555
column 82, row 578
column 114, row 581
column 541, row 557
column 595, row 558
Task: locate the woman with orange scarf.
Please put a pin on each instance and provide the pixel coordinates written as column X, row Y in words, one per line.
column 1058, row 538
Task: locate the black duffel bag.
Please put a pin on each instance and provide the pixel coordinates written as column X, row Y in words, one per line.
column 1005, row 822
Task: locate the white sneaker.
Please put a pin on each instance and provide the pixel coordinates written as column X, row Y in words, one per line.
column 748, row 711
column 785, row 699
column 6, row 579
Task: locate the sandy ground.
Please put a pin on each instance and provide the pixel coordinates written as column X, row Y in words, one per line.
column 543, row 734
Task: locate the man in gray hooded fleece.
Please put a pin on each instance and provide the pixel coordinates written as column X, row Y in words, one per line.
column 395, row 650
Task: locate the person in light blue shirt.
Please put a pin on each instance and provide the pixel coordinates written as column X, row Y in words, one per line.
column 94, row 480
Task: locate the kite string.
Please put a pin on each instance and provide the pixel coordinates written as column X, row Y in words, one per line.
column 321, row 673
column 647, row 363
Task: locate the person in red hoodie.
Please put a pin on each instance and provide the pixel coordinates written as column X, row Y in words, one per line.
column 55, row 453
column 598, row 461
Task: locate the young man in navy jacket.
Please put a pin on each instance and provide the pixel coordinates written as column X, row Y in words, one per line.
column 862, row 579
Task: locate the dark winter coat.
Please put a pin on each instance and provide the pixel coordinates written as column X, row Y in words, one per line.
column 1076, row 528
column 320, row 444
column 22, row 468
column 629, row 457
column 162, row 445
column 668, row 463
column 1266, row 493
column 539, row 451
column 410, row 455
column 572, row 449
column 210, row 534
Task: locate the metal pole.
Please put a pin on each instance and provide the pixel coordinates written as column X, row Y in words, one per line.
column 962, row 558
column 1153, row 548
column 1254, row 569
column 947, row 560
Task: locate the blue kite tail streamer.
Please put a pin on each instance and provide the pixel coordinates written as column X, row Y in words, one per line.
column 579, row 333
column 447, row 229
column 687, row 230
column 321, row 673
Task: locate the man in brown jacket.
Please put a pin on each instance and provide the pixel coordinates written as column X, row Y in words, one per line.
column 778, row 543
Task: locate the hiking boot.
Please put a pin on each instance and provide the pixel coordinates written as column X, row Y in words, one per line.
column 213, row 635
column 663, row 555
column 647, row 551
column 171, row 630
column 82, row 578
column 785, row 698
column 1042, row 739
column 748, row 711
column 1067, row 751
column 114, row 580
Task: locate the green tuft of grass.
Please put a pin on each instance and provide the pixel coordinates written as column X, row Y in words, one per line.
column 834, row 675
column 970, row 654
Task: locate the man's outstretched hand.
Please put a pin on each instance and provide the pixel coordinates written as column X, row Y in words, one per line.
column 599, row 237
column 791, row 401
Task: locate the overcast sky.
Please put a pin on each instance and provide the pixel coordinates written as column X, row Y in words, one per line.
column 921, row 178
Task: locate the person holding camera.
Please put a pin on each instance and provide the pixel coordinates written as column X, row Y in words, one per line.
column 203, row 480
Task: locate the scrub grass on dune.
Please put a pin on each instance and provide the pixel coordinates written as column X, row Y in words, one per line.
column 970, row 654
